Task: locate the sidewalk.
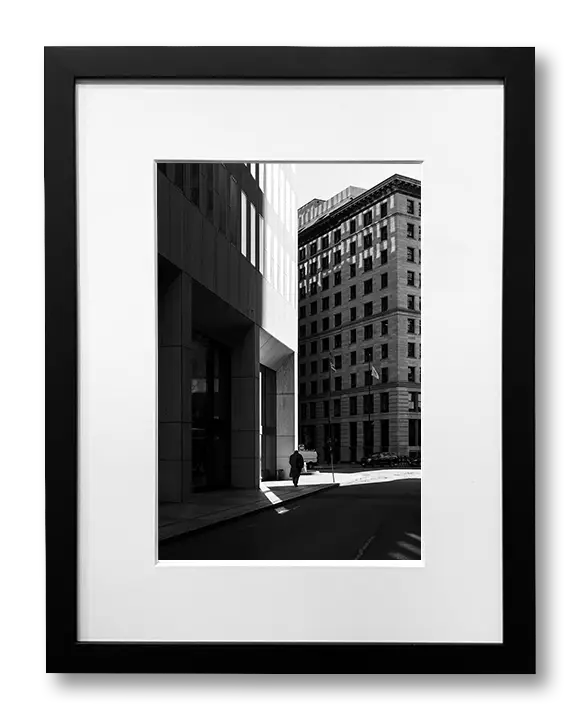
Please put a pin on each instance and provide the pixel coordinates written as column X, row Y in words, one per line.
column 220, row 506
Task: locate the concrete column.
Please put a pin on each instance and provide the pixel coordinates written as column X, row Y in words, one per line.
column 245, row 411
column 286, row 415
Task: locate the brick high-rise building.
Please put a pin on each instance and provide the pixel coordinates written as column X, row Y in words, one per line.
column 359, row 321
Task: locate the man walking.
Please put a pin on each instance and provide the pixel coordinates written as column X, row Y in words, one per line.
column 297, row 463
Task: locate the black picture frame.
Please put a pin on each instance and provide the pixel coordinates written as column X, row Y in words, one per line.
column 514, row 67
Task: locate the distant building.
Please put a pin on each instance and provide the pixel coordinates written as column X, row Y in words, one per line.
column 227, row 325
column 359, row 321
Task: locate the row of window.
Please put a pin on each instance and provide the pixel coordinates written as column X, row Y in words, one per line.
column 314, row 268
column 367, row 219
column 368, row 407
column 309, row 432
column 325, row 384
column 412, row 352
column 413, row 328
column 367, row 307
column 412, row 231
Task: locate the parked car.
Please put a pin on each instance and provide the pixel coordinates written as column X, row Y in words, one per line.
column 380, row 459
column 310, row 457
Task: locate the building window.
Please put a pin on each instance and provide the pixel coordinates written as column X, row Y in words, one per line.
column 383, row 280
column 302, row 312
column 313, row 367
column 411, row 326
column 368, row 286
column 383, row 210
column 313, row 327
column 384, row 402
column 314, row 307
column 302, row 390
column 353, row 405
column 384, row 232
column 411, row 374
column 313, row 387
column 415, row 437
column 353, row 313
column 302, row 369
column 384, row 303
column 385, row 435
column 352, row 248
column 337, row 341
column 368, row 309
column 302, row 331
column 352, row 292
column 384, row 257
column 410, row 230
column 325, row 344
column 367, row 264
column 313, row 248
column 312, row 410
column 337, row 258
column 313, row 288
column 337, row 319
column 337, row 278
column 411, row 350
column 352, row 270
column 302, row 292
column 384, row 375
column 325, row 324
column 367, row 218
column 338, row 384
column 302, row 273
column 384, row 348
column 353, row 380
column 411, row 255
column 368, row 404
column 326, row 385
column 411, row 302
column 314, row 348
column 303, row 411
column 325, row 365
column 368, row 355
column 354, row 357
column 337, row 236
column 325, row 283
column 302, row 350
column 337, row 406
column 337, row 299
column 326, row 408
column 353, row 338
column 352, row 226
column 384, row 327
column 324, row 242
column 302, row 254
column 410, row 207
column 411, row 278
column 368, row 332
column 325, row 262
column 367, row 241
column 325, row 303
column 313, row 268
column 414, row 403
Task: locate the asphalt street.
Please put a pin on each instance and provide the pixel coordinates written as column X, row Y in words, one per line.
column 361, row 521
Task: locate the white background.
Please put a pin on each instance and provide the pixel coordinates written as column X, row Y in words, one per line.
column 455, row 129
column 444, row 21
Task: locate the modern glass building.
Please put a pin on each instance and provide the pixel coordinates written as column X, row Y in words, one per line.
column 227, row 325
column 359, row 321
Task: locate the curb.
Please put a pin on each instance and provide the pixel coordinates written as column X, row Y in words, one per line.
column 250, row 511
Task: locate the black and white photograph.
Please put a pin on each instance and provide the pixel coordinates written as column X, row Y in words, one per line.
column 289, row 361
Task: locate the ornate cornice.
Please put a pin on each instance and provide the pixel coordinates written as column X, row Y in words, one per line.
column 396, row 183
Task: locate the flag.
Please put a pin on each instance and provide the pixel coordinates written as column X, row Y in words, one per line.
column 332, row 363
column 374, row 373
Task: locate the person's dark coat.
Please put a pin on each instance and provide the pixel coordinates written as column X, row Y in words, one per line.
column 297, row 462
